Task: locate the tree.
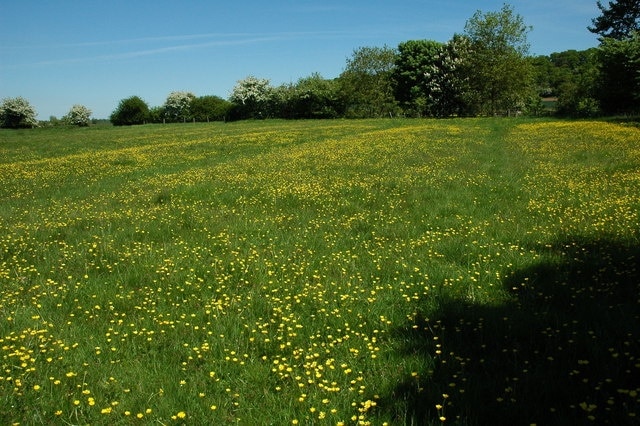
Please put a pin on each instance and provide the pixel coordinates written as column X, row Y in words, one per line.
column 310, row 97
column 156, row 114
column 500, row 76
column 130, row 111
column 316, row 97
column 618, row 21
column 78, row 115
column 252, row 97
column 570, row 76
column 427, row 77
column 366, row 83
column 448, row 84
column 285, row 101
column 619, row 55
column 619, row 81
column 177, row 106
column 206, row 108
column 413, row 67
column 17, row 113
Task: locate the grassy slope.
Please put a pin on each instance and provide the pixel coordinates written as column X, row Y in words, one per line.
column 320, row 271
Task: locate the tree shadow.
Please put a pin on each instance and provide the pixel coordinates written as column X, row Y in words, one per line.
column 630, row 120
column 565, row 350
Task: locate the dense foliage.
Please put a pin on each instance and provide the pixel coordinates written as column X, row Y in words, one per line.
column 484, row 71
column 177, row 107
column 252, row 97
column 78, row 115
column 619, row 82
column 499, row 74
column 209, row 108
column 130, row 111
column 413, row 71
column 618, row 20
column 16, row 113
column 366, row 83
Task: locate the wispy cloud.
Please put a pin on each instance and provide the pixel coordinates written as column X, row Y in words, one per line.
column 158, row 45
column 156, row 51
column 233, row 38
column 168, row 44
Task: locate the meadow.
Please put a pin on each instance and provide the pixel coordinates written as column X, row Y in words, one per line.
column 463, row 271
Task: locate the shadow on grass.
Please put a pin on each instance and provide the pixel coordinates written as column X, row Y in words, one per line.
column 631, row 120
column 565, row 350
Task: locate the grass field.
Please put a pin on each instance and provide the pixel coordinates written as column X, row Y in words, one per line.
column 473, row 271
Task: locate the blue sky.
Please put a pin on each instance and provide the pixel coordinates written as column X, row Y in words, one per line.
column 95, row 53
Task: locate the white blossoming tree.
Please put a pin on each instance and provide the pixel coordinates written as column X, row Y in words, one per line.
column 177, row 107
column 252, row 96
column 79, row 115
column 17, row 113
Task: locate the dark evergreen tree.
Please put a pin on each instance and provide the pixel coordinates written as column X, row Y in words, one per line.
column 618, row 20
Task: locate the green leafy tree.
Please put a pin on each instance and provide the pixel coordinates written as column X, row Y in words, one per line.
column 366, row 83
column 413, row 68
column 429, row 79
column 619, row 56
column 572, row 77
column 130, row 111
column 284, row 99
column 500, row 75
column 542, row 75
column 78, row 115
column 209, row 108
column 54, row 121
column 156, row 114
column 316, row 97
column 618, row 20
column 17, row 113
column 177, row 107
column 619, row 82
column 310, row 97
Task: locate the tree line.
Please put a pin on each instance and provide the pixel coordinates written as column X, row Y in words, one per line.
column 486, row 70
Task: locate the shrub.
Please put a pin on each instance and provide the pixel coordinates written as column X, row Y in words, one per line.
column 17, row 113
column 130, row 111
column 79, row 115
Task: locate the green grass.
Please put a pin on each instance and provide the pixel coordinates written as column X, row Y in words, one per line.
column 479, row 271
